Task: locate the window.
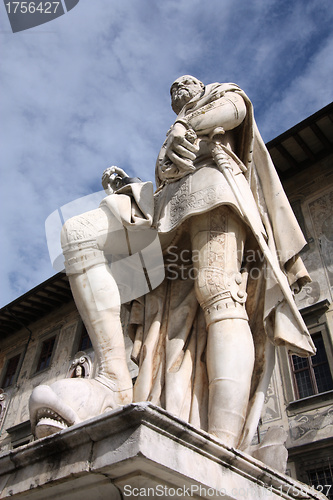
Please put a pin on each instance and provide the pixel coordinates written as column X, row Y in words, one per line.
column 20, row 434
column 321, row 479
column 312, row 375
column 12, row 365
column 85, row 342
column 45, row 354
column 21, row 443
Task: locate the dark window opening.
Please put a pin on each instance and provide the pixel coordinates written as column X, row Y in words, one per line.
column 85, row 342
column 312, row 375
column 10, row 373
column 45, row 354
column 20, row 443
column 321, row 479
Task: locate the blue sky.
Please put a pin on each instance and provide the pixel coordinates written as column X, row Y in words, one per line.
column 91, row 89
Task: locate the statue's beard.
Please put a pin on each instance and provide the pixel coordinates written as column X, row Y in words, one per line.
column 181, row 97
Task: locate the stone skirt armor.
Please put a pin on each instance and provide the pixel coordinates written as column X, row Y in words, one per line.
column 206, row 188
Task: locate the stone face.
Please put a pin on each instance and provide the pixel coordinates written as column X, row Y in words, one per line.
column 139, row 446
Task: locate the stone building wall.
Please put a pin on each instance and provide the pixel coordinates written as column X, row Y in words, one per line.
column 308, row 420
column 65, row 325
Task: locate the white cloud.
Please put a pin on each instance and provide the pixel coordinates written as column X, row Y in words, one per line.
column 307, row 93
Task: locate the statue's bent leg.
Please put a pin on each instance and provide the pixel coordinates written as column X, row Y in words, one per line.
column 218, row 239
column 97, row 297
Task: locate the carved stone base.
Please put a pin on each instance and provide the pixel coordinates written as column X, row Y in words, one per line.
column 139, row 451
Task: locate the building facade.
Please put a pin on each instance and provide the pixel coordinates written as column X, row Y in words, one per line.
column 300, row 396
column 42, row 338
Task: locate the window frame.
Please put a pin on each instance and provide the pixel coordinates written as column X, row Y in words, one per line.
column 41, row 341
column 20, row 434
column 317, row 469
column 80, row 328
column 317, row 321
column 313, row 460
column 310, row 368
column 82, row 337
column 9, row 357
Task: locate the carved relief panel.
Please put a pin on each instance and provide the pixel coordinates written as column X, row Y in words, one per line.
column 307, row 427
column 318, row 254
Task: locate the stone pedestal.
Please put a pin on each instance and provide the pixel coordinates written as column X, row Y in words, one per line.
column 139, row 451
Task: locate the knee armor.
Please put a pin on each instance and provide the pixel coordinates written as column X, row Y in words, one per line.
column 80, row 248
column 221, row 295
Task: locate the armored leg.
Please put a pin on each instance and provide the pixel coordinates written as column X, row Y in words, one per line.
column 84, row 239
column 218, row 239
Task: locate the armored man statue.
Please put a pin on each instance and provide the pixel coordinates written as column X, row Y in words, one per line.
column 205, row 338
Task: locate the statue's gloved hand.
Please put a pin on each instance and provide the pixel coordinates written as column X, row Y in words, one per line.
column 181, row 147
column 112, row 179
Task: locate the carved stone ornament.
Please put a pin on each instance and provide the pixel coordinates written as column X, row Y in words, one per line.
column 80, row 367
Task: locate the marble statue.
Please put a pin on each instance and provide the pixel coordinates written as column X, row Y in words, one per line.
column 204, row 339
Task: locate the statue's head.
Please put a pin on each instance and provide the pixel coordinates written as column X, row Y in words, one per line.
column 183, row 90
